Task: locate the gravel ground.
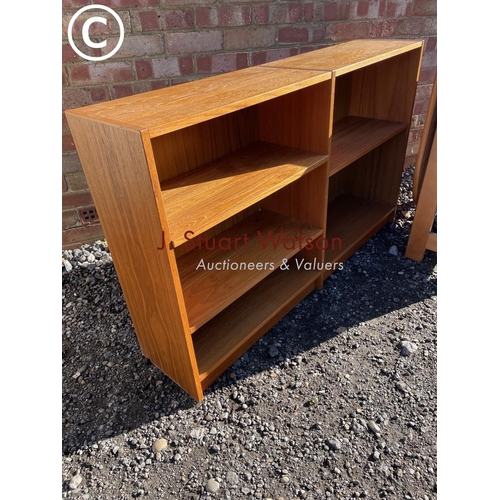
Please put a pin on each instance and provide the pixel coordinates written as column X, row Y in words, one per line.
column 338, row 400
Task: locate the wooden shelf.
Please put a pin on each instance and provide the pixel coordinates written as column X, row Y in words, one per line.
column 207, row 292
column 224, row 339
column 221, row 189
column 354, row 136
column 354, row 220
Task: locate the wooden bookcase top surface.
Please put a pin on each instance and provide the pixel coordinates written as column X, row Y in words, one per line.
column 162, row 111
column 347, row 57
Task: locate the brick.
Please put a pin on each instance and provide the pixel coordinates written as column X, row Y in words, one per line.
column 246, row 38
column 411, row 26
column 338, row 11
column 266, row 56
column 382, row 29
column 293, row 35
column 427, row 76
column 146, row 20
column 225, row 15
column 221, row 63
column 77, row 182
column 285, row 13
column 431, row 44
column 398, row 8
column 178, row 19
column 129, row 3
column 130, row 89
column 260, row 14
column 95, row 29
column 64, row 184
column 165, row 67
column 412, row 148
column 429, row 60
column 67, row 143
column 70, row 219
column 74, row 4
column 418, row 121
column 425, row 7
column 144, row 69
column 70, row 56
column 318, row 33
column 160, row 84
column 71, row 163
column 75, row 237
column 187, row 43
column 140, row 46
column 168, row 3
column 75, row 98
column 420, row 107
column 415, row 135
column 102, row 72
column 367, row 9
column 347, row 31
column 429, row 27
column 321, row 11
column 98, row 94
column 423, row 91
column 78, row 199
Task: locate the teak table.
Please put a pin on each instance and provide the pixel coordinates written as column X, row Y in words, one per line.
column 225, row 201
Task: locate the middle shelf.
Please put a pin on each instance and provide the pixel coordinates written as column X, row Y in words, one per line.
column 354, row 136
column 242, row 256
column 199, row 200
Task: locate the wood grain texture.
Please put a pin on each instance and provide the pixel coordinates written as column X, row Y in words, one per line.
column 355, row 136
column 386, row 90
column 226, row 186
column 185, row 150
column 420, row 237
column 116, row 170
column 349, row 56
column 208, row 292
column 173, row 108
column 424, row 150
column 223, row 340
column 354, row 220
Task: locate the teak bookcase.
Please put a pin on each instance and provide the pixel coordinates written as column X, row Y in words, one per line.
column 293, row 161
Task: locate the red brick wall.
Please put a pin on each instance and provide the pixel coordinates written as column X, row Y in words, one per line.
column 172, row 41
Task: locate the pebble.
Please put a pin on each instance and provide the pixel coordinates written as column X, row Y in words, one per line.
column 213, row 486
column 407, row 347
column 373, row 427
column 67, row 265
column 334, row 444
column 197, row 433
column 232, row 477
column 273, row 351
column 159, row 445
column 394, row 250
column 75, row 481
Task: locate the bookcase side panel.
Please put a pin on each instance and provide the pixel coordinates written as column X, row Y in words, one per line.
column 117, row 172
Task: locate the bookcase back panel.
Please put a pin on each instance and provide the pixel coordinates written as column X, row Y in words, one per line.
column 185, row 150
column 301, row 119
column 342, row 101
column 386, row 90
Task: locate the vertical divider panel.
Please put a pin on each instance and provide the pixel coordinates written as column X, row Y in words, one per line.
column 115, row 162
column 302, row 119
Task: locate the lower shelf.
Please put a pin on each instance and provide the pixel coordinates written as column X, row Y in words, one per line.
column 212, row 286
column 219, row 343
column 354, row 220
